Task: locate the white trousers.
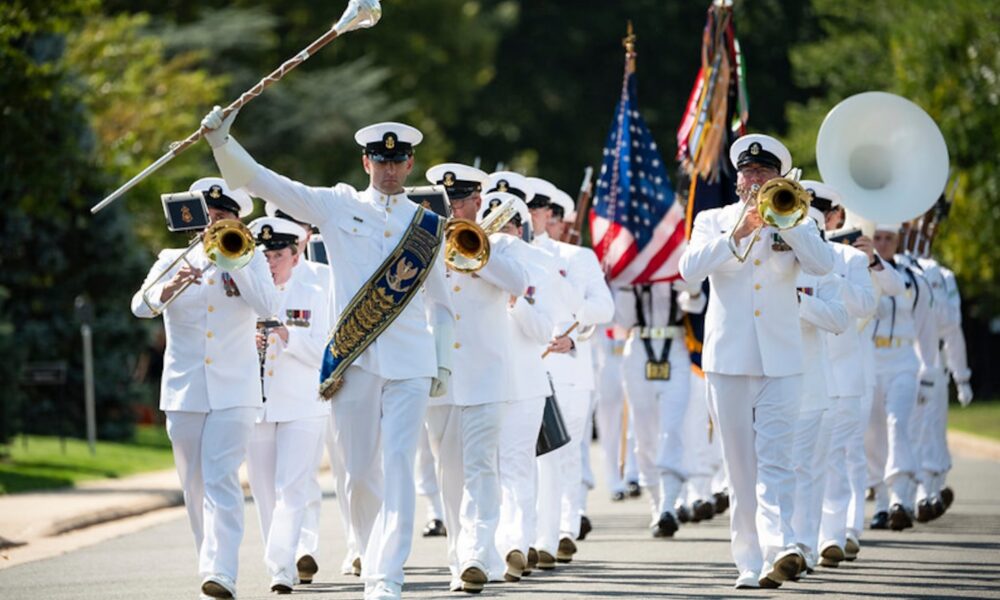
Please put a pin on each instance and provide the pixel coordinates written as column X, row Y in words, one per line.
column 559, row 475
column 426, row 478
column 812, row 441
column 518, row 478
column 377, row 425
column 755, row 419
column 845, row 430
column 699, row 459
column 929, row 432
column 282, row 464
column 208, row 451
column 658, row 408
column 857, row 465
column 896, row 392
column 610, row 401
column 466, row 440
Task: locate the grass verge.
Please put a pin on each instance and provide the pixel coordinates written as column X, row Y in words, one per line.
column 981, row 418
column 38, row 462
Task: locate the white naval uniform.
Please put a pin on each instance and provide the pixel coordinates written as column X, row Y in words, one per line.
column 287, row 441
column 464, row 425
column 862, row 451
column 530, row 324
column 379, row 411
column 609, row 348
column 900, row 320
column 933, row 440
column 821, row 310
column 846, row 382
column 658, row 407
column 752, row 358
column 211, row 394
column 559, row 471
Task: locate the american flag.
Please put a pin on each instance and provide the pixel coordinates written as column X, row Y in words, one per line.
column 636, row 226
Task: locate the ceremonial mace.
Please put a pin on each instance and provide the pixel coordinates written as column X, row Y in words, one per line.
column 359, row 14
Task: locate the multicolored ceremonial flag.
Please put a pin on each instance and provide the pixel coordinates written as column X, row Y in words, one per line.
column 716, row 114
column 637, row 229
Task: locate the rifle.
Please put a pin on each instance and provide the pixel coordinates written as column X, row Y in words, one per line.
column 574, row 235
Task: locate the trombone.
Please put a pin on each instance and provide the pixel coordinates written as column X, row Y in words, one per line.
column 228, row 244
column 467, row 244
column 781, row 202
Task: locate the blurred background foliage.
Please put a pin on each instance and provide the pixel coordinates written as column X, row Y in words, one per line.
column 92, row 91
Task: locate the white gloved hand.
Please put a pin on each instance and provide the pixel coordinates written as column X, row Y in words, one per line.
column 218, row 128
column 964, row 393
column 439, row 384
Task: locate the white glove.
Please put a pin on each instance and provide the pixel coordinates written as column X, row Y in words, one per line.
column 439, row 384
column 218, row 128
column 964, row 393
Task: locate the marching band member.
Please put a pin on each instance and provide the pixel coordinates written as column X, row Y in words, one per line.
column 287, row 441
column 842, row 423
column 427, row 486
column 821, row 310
column 211, row 389
column 464, row 424
column 388, row 352
column 900, row 320
column 655, row 369
column 570, row 367
column 752, row 358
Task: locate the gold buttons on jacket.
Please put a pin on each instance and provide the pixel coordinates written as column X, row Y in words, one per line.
column 209, row 334
column 457, row 345
column 458, row 316
column 756, row 262
column 388, row 233
column 458, row 288
column 211, row 308
column 270, row 373
column 756, row 286
column 208, row 361
column 210, row 281
column 270, row 357
column 756, row 313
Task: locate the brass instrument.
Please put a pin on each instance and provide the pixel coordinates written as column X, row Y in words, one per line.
column 781, row 202
column 467, row 244
column 228, row 243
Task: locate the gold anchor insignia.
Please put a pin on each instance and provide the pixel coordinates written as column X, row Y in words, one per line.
column 390, row 142
column 404, row 271
column 186, row 214
column 502, row 185
column 449, row 179
column 265, row 233
column 215, row 192
column 755, row 148
column 425, row 204
column 495, row 203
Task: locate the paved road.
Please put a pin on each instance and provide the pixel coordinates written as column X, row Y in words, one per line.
column 956, row 557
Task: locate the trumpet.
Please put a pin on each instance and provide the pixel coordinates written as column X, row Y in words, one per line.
column 781, row 202
column 228, row 244
column 467, row 244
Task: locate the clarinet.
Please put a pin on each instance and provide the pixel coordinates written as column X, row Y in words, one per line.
column 265, row 326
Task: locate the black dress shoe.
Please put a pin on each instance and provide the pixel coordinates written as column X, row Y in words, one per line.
column 899, row 518
column 925, row 512
column 947, row 496
column 938, row 507
column 721, row 500
column 880, row 520
column 435, row 528
column 683, row 514
column 666, row 526
column 307, row 568
column 618, row 496
column 702, row 511
column 634, row 491
column 585, row 527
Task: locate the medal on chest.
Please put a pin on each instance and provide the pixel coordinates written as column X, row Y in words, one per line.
column 229, row 285
column 298, row 317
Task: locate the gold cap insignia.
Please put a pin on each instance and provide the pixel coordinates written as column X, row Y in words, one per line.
column 390, row 141
column 502, row 185
column 812, row 192
column 495, row 203
column 186, row 214
column 449, row 179
column 266, row 232
column 215, row 191
column 755, row 148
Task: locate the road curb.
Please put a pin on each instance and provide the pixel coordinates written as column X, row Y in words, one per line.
column 973, row 446
column 99, row 517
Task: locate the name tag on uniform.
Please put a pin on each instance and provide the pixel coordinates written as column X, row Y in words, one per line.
column 657, row 370
column 778, row 244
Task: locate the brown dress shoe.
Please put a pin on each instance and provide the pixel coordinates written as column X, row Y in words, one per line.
column 567, row 548
column 546, row 561
column 307, row 568
column 516, row 563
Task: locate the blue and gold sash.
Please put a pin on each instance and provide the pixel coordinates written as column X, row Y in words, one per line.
column 382, row 298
